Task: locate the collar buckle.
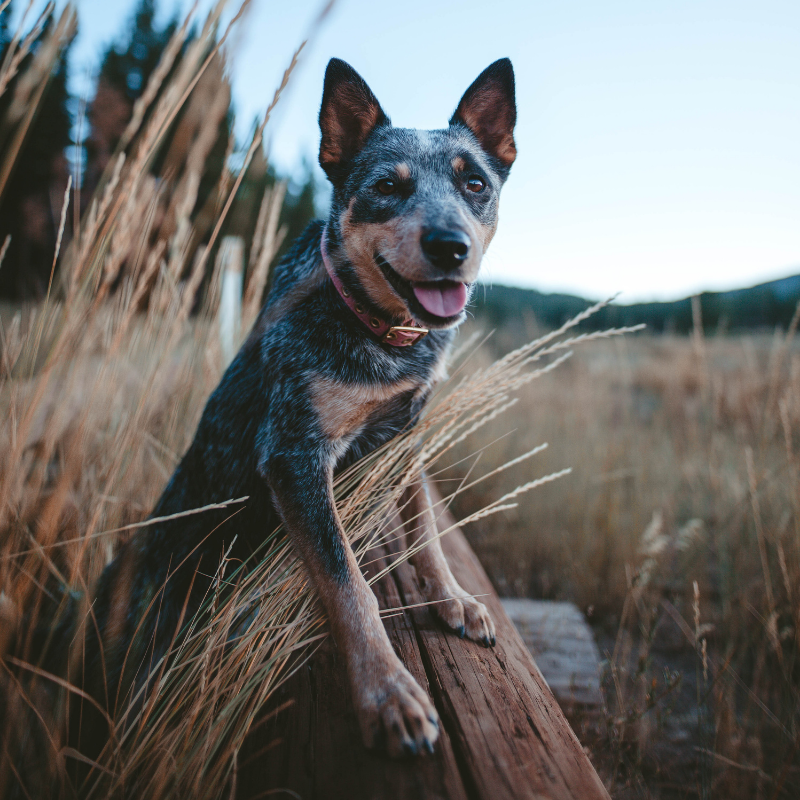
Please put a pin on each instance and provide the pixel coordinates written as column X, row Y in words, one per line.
column 403, row 335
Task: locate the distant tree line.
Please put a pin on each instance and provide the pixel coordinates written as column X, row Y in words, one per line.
column 763, row 306
column 69, row 136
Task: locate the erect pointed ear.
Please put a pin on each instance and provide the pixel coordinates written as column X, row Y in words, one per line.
column 349, row 113
column 489, row 110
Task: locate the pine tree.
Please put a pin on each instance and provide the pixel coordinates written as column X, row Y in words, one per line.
column 30, row 206
column 125, row 70
column 128, row 66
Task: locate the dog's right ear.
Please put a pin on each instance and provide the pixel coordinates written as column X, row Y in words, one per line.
column 349, row 113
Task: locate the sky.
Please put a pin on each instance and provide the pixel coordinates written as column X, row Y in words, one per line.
column 659, row 141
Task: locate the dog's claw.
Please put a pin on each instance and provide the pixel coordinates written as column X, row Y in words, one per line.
column 465, row 616
column 397, row 715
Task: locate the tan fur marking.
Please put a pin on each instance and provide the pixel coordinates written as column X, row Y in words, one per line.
column 479, row 233
column 507, row 150
column 363, row 241
column 342, row 408
column 458, row 164
column 403, row 171
column 487, row 233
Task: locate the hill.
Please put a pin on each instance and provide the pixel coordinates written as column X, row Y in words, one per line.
column 763, row 306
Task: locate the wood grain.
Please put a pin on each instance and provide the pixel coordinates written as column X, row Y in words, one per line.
column 503, row 734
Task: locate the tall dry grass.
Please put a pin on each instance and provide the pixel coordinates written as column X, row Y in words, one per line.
column 678, row 532
column 101, row 387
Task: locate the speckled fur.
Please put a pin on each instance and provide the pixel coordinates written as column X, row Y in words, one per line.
column 311, row 391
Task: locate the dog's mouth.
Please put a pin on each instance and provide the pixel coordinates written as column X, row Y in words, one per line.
column 440, row 302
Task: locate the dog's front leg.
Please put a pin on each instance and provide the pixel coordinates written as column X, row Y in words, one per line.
column 450, row 603
column 392, row 708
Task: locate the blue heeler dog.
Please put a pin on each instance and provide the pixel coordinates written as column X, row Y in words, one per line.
column 353, row 337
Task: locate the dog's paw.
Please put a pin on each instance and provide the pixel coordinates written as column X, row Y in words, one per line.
column 396, row 715
column 463, row 615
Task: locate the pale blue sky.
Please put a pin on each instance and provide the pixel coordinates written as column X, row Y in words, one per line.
column 659, row 142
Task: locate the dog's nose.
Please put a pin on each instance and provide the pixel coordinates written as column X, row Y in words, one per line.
column 445, row 249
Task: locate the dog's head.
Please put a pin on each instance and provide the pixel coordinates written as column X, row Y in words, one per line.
column 413, row 210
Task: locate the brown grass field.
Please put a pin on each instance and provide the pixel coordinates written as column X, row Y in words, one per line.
column 677, row 531
column 678, row 534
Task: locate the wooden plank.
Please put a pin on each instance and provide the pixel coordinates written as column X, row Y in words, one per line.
column 501, row 717
column 563, row 646
column 503, row 734
column 495, row 704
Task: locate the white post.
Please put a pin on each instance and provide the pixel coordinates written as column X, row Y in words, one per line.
column 231, row 264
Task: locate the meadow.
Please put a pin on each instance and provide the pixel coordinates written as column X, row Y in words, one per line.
column 677, row 533
column 98, row 403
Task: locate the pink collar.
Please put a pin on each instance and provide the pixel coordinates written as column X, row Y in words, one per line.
column 395, row 335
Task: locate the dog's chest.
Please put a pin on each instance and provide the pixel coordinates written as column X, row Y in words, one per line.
column 343, row 409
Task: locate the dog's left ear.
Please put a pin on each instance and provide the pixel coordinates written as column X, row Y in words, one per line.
column 349, row 113
column 489, row 110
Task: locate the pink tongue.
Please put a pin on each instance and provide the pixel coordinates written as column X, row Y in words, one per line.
column 442, row 300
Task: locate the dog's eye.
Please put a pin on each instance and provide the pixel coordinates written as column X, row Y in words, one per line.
column 386, row 186
column 476, row 184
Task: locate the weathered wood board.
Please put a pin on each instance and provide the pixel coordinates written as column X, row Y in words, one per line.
column 563, row 646
column 503, row 734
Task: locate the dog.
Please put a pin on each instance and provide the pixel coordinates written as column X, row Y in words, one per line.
column 351, row 341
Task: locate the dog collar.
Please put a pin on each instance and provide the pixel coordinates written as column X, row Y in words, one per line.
column 395, row 335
